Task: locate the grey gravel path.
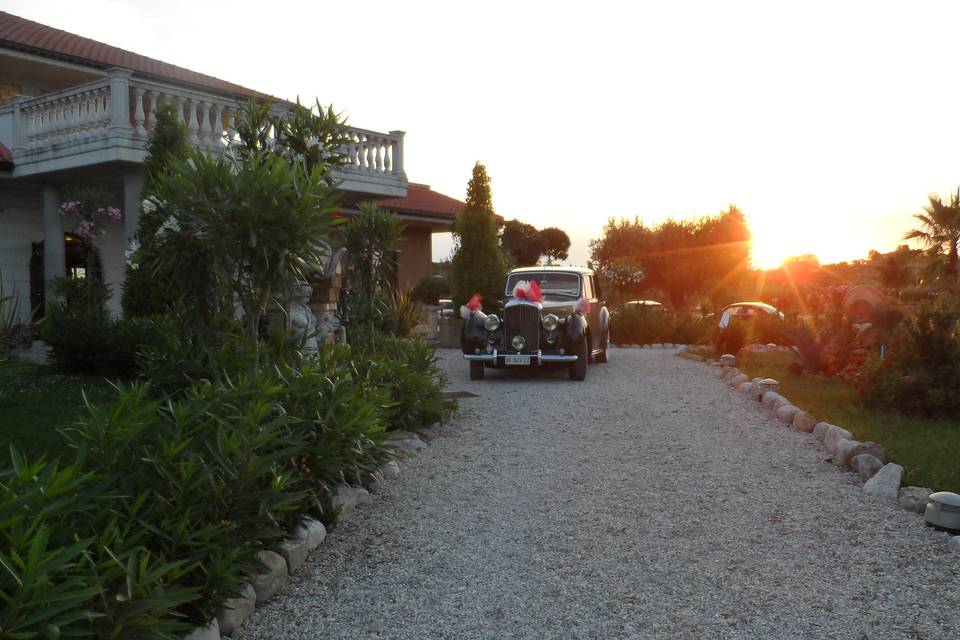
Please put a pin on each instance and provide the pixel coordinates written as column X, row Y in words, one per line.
column 647, row 502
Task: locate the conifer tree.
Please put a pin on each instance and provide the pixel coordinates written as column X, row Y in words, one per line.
column 478, row 265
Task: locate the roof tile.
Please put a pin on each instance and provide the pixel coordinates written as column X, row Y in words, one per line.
column 27, row 35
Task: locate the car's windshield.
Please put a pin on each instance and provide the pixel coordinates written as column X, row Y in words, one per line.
column 552, row 283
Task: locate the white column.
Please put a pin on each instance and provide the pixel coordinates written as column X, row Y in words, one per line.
column 132, row 190
column 119, row 105
column 54, row 261
column 397, row 167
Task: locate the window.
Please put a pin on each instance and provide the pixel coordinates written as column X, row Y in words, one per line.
column 587, row 287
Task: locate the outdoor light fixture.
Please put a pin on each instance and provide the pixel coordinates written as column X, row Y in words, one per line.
column 518, row 343
column 492, row 323
column 943, row 511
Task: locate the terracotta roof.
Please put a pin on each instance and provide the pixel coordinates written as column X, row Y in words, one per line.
column 422, row 200
column 6, row 158
column 33, row 37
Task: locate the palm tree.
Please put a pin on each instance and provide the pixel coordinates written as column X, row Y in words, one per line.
column 940, row 227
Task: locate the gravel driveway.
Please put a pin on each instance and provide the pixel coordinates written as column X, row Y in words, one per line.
column 647, row 502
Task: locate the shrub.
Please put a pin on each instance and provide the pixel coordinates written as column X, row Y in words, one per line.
column 403, row 312
column 431, row 289
column 921, row 371
column 408, row 369
column 636, row 324
column 84, row 339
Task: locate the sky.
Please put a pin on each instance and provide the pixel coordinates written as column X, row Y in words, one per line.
column 827, row 123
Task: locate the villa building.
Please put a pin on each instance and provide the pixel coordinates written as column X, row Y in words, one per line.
column 75, row 112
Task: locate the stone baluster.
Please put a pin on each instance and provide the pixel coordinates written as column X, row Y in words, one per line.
column 90, row 105
column 88, row 112
column 152, row 102
column 139, row 116
column 396, row 166
column 388, row 158
column 179, row 102
column 192, row 125
column 228, row 115
column 203, row 122
column 36, row 123
column 74, row 115
column 33, row 124
column 216, row 126
column 50, row 116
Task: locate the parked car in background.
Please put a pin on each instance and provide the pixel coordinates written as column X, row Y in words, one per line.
column 551, row 316
column 740, row 311
column 650, row 305
column 746, row 322
column 446, row 309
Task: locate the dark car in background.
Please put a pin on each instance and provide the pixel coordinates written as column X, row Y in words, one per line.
column 568, row 325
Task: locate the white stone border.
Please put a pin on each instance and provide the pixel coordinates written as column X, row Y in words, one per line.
column 867, row 459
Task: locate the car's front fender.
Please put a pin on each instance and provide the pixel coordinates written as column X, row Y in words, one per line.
column 473, row 336
column 576, row 329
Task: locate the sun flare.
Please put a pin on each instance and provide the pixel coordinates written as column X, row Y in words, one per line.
column 773, row 243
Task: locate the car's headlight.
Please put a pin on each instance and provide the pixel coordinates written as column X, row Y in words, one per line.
column 518, row 343
column 550, row 322
column 492, row 323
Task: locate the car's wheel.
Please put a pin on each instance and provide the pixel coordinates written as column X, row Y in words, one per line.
column 602, row 356
column 476, row 370
column 578, row 370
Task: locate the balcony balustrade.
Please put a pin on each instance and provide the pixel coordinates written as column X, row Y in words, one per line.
column 110, row 119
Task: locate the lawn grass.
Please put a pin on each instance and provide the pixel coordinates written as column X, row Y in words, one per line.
column 35, row 403
column 928, row 450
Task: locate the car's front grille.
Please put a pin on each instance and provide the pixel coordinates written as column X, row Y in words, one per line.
column 522, row 320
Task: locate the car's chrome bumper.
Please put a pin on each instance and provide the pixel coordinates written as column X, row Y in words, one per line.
column 535, row 358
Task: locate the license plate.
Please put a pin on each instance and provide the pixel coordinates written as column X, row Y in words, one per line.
column 516, row 360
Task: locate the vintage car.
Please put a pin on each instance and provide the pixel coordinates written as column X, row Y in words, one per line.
column 551, row 316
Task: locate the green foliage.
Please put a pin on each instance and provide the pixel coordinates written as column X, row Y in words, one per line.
column 166, row 145
column 920, row 374
column 83, row 337
column 521, row 243
column 403, row 312
column 939, row 228
column 637, row 324
column 35, row 402
column 9, row 319
column 371, row 239
column 681, row 258
column 478, row 264
column 45, row 586
column 409, row 370
column 555, row 243
column 803, row 342
column 431, row 289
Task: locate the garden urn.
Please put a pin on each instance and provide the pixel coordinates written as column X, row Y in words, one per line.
column 943, row 511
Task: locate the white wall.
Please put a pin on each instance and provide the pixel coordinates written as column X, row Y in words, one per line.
column 112, row 246
column 20, row 225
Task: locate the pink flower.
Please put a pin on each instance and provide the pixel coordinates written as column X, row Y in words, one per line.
column 114, row 214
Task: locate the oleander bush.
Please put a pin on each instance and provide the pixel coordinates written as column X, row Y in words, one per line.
column 408, row 369
column 158, row 520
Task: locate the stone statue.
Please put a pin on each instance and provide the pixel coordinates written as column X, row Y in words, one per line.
column 301, row 323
